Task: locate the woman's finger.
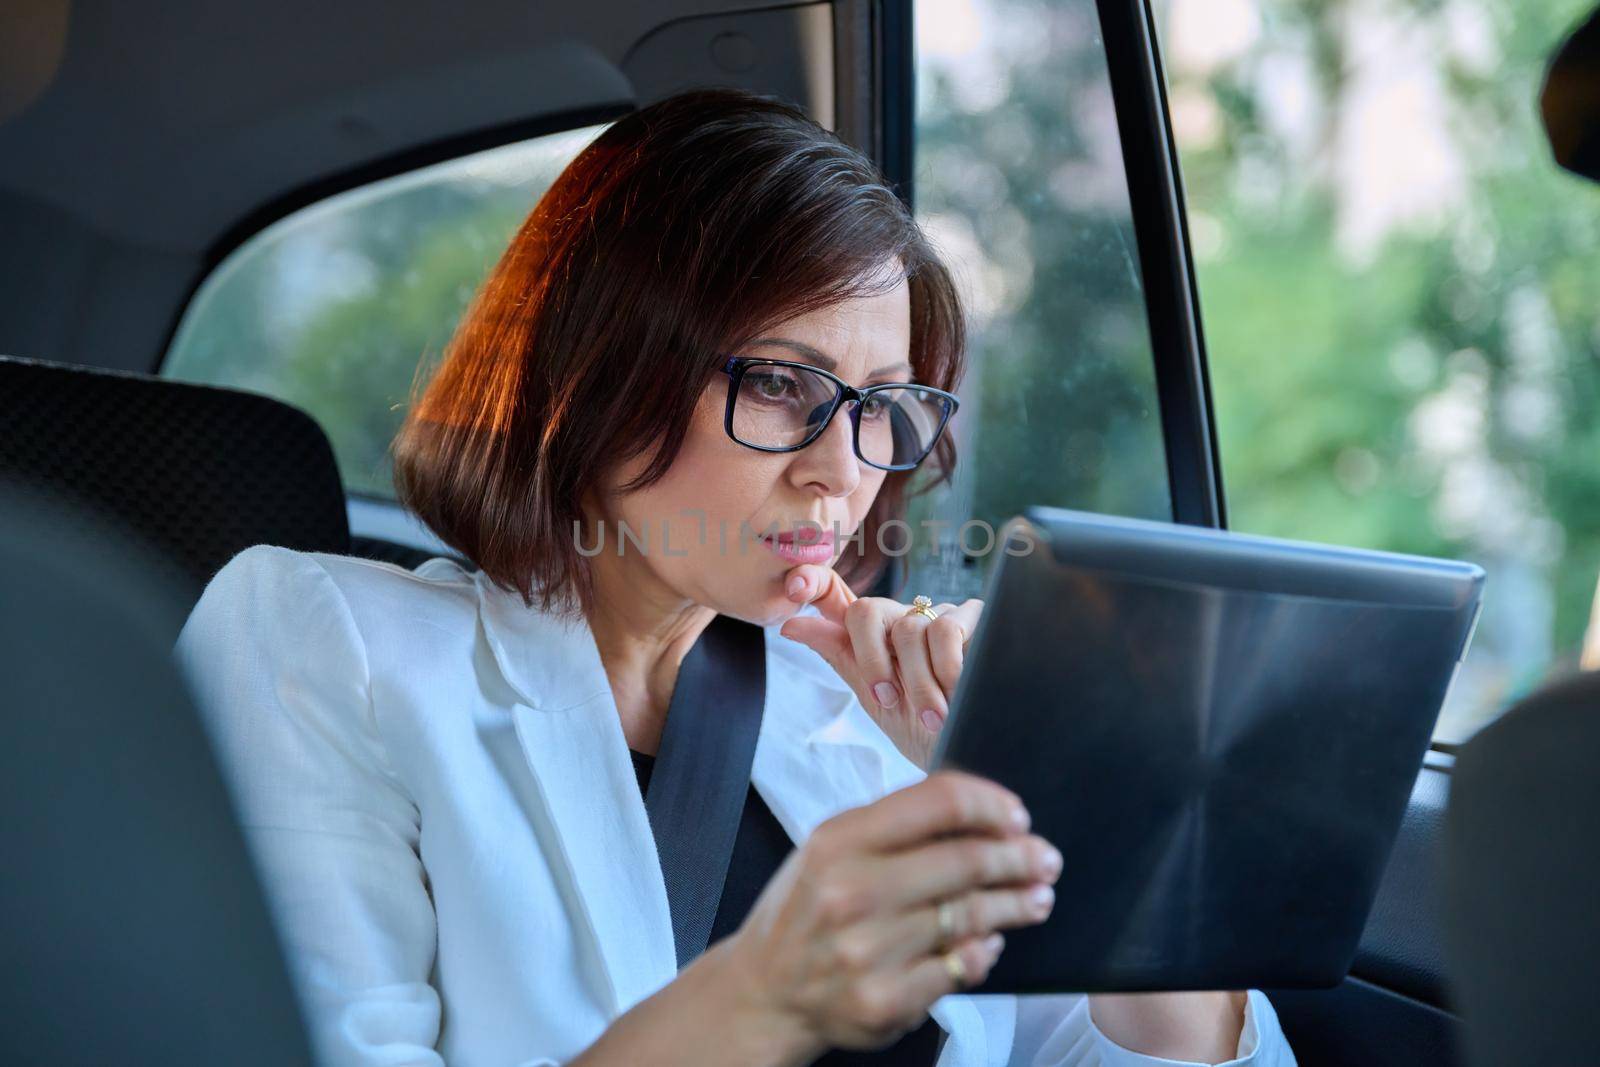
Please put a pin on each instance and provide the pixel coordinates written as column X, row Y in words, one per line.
column 823, row 633
column 946, row 801
column 963, row 863
column 930, row 978
column 827, row 639
column 821, row 586
column 969, row 614
column 947, row 647
column 868, row 620
column 915, row 932
column 908, row 635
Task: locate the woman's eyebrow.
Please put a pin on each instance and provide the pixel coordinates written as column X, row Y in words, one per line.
column 824, row 361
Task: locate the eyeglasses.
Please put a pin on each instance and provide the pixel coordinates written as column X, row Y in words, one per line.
column 777, row 405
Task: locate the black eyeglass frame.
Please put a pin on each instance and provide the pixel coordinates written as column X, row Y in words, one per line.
column 736, row 366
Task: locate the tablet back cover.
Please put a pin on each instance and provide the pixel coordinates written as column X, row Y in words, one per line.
column 1223, row 770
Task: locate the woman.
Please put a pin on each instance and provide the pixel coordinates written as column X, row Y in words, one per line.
column 441, row 771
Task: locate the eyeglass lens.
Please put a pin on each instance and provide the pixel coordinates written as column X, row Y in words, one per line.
column 780, row 406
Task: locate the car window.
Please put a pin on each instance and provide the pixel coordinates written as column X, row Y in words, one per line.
column 1397, row 293
column 336, row 307
column 1018, row 178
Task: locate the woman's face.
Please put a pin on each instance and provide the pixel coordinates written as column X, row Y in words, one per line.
column 719, row 496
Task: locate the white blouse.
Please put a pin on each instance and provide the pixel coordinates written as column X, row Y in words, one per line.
column 434, row 782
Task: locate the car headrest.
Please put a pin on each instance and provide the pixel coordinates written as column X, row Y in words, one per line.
column 200, row 472
column 1569, row 103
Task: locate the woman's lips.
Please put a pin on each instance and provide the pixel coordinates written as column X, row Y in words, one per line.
column 788, row 547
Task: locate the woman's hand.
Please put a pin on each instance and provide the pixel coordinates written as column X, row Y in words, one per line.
column 902, row 667
column 896, row 663
column 842, row 948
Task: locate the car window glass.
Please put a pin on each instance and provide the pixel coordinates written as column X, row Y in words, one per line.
column 1018, row 179
column 1399, row 304
column 336, row 307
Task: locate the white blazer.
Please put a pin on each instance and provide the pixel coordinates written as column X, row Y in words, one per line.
column 434, row 782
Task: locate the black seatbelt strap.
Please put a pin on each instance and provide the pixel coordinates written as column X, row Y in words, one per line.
column 695, row 797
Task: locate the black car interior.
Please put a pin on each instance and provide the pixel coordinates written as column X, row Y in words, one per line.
column 136, row 931
column 202, row 473
column 1519, row 841
column 151, row 146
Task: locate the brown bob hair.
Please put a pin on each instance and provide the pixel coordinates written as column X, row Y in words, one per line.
column 677, row 236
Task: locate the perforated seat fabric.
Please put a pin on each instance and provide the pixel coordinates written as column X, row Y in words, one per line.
column 201, row 472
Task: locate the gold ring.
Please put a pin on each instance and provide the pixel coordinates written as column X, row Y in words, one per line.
column 947, row 921
column 921, row 605
column 955, row 968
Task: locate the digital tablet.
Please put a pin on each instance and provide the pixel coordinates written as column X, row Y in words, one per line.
column 1219, row 732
